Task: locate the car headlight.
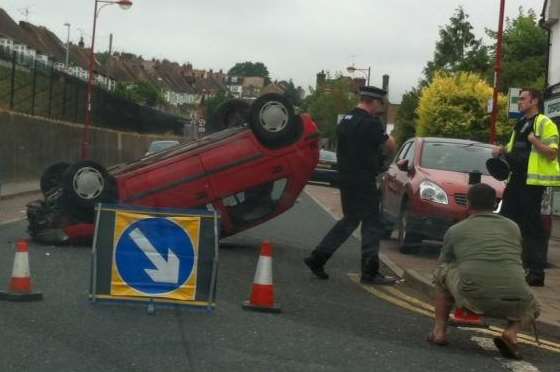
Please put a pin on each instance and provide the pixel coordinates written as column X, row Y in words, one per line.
column 432, row 192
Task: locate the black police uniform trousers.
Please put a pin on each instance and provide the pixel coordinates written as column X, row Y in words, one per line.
column 359, row 204
column 522, row 204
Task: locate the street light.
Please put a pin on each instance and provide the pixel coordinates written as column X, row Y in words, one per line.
column 353, row 69
column 124, row 4
column 67, row 44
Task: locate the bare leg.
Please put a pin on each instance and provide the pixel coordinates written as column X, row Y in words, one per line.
column 443, row 303
column 511, row 331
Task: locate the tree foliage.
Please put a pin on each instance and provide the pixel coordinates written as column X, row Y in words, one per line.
column 455, row 105
column 405, row 127
column 292, row 92
column 141, row 92
column 214, row 102
column 250, row 69
column 458, row 49
column 525, row 46
column 335, row 97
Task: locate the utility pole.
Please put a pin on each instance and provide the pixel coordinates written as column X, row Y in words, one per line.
column 497, row 74
column 67, row 61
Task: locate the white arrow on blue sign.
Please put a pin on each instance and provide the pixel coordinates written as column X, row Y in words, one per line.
column 155, row 256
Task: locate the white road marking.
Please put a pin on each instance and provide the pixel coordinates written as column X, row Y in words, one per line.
column 487, row 344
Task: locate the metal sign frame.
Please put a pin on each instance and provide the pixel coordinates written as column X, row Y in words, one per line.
column 208, row 303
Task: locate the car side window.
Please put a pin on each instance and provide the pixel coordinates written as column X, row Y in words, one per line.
column 410, row 153
column 402, row 153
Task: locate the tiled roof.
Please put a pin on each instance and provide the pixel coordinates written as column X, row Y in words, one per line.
column 9, row 28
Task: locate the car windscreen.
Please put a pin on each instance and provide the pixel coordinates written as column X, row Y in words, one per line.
column 328, row 156
column 456, row 157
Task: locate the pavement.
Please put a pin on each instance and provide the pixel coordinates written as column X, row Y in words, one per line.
column 417, row 269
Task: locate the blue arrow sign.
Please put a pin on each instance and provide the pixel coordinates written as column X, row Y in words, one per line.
column 155, row 256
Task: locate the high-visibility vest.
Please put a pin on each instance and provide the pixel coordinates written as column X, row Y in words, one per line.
column 542, row 171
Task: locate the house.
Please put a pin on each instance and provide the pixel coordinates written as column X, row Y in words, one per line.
column 252, row 86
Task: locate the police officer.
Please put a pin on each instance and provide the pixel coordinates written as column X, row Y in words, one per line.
column 360, row 136
column 532, row 153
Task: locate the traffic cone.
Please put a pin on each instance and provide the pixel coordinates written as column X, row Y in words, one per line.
column 20, row 284
column 465, row 318
column 262, row 294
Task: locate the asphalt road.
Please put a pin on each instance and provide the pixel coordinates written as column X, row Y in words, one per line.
column 332, row 325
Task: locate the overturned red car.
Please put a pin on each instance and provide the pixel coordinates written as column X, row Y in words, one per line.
column 250, row 171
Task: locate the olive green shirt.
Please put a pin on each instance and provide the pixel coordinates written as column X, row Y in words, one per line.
column 481, row 267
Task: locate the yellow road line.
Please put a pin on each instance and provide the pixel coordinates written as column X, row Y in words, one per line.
column 396, row 297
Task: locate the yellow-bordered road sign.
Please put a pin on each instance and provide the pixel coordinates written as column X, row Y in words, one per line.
column 158, row 255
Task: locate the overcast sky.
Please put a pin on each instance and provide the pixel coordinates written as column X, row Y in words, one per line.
column 293, row 38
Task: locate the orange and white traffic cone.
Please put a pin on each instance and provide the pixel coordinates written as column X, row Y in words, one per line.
column 20, row 284
column 465, row 318
column 262, row 294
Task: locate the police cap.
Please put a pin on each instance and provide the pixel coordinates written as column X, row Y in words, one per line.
column 372, row 92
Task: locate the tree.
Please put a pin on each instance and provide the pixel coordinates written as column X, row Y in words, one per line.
column 405, row 127
column 141, row 92
column 458, row 49
column 214, row 102
column 292, row 92
column 455, row 105
column 525, row 46
column 250, row 69
column 335, row 97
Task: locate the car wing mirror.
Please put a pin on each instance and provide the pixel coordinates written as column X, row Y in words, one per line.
column 403, row 165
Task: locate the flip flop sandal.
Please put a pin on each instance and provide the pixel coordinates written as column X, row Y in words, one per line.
column 431, row 340
column 507, row 349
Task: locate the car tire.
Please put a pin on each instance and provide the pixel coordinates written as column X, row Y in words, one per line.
column 52, row 177
column 232, row 113
column 409, row 242
column 86, row 183
column 274, row 122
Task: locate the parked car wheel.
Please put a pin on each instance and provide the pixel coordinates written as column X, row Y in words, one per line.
column 273, row 120
column 409, row 242
column 52, row 176
column 232, row 113
column 87, row 183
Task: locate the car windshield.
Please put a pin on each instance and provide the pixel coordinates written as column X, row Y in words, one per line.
column 455, row 157
column 328, row 156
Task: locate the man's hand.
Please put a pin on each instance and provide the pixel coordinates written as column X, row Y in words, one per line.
column 547, row 151
column 497, row 151
column 390, row 145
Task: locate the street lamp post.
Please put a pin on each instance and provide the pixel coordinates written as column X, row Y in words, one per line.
column 67, row 60
column 353, row 69
column 124, row 4
column 497, row 74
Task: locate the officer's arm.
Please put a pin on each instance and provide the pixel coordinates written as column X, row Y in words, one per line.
column 390, row 145
column 549, row 151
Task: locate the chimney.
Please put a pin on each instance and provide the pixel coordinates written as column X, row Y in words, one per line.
column 386, row 83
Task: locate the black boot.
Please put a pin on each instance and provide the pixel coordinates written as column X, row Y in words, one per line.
column 377, row 279
column 535, row 280
column 316, row 263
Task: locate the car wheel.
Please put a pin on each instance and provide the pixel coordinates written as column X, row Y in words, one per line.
column 274, row 121
column 409, row 242
column 232, row 113
column 52, row 176
column 87, row 183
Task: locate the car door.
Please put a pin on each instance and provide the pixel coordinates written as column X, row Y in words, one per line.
column 391, row 190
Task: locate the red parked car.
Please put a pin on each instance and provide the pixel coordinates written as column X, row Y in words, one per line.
column 425, row 188
column 251, row 171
